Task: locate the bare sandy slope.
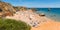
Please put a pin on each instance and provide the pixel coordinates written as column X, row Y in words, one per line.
column 37, row 22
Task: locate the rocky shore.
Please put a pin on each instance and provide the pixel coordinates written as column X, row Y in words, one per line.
column 35, row 21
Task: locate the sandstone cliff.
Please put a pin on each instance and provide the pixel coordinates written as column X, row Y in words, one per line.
column 6, row 9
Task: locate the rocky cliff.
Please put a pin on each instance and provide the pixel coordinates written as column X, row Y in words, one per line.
column 6, row 9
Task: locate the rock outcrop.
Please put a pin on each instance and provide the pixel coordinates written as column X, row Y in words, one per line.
column 42, row 14
column 20, row 8
column 6, row 9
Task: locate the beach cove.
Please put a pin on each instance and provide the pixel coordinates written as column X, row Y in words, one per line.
column 28, row 16
column 35, row 21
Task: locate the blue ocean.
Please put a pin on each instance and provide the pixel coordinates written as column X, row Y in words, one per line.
column 53, row 13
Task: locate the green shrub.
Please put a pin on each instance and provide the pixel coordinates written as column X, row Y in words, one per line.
column 10, row 24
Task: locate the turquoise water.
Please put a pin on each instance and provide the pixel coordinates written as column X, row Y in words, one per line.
column 54, row 13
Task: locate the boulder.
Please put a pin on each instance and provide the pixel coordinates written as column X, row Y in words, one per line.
column 42, row 14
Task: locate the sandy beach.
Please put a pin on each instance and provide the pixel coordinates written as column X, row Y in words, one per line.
column 35, row 21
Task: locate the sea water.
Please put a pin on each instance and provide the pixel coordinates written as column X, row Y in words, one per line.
column 53, row 13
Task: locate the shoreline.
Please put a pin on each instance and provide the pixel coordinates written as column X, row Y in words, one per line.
column 34, row 20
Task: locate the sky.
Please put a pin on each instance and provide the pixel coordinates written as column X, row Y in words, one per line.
column 35, row 3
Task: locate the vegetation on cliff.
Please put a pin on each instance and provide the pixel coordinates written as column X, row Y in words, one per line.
column 10, row 24
column 20, row 8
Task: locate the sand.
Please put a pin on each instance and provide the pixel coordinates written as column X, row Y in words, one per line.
column 35, row 21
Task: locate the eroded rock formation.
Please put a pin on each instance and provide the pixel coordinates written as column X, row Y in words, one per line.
column 6, row 9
